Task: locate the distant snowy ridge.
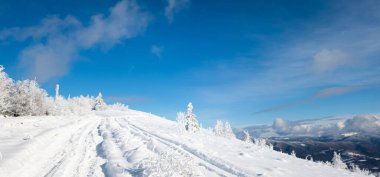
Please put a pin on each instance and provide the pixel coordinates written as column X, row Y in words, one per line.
column 344, row 125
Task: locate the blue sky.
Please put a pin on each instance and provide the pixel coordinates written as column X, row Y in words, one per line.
column 246, row 62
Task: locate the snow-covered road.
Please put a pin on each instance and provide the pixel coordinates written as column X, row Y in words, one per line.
column 133, row 143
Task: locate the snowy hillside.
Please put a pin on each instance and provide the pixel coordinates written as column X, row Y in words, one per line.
column 133, row 143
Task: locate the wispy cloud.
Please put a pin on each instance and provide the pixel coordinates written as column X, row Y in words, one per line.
column 175, row 6
column 156, row 50
column 338, row 49
column 329, row 60
column 327, row 92
column 57, row 42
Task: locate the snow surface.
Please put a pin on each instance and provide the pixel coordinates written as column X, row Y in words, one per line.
column 133, row 143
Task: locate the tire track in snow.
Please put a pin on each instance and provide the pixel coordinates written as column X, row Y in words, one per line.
column 39, row 150
column 213, row 165
column 115, row 165
column 131, row 155
column 68, row 161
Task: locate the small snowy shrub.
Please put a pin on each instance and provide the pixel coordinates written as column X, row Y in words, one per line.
column 309, row 157
column 262, row 143
column 337, row 162
column 354, row 168
column 293, row 154
column 118, row 106
column 223, row 130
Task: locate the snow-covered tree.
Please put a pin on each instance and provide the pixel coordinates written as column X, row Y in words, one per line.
column 21, row 99
column 38, row 99
column 293, row 154
column 337, row 161
column 6, row 86
column 192, row 124
column 262, row 143
column 99, row 103
column 247, row 137
column 356, row 169
column 219, row 128
column 28, row 99
column 228, row 133
column 223, row 129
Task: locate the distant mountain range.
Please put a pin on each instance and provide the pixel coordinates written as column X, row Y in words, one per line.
column 355, row 137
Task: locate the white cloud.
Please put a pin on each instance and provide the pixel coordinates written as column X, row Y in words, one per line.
column 363, row 123
column 329, row 60
column 280, row 125
column 175, row 6
column 336, row 91
column 58, row 41
column 156, row 50
column 333, row 125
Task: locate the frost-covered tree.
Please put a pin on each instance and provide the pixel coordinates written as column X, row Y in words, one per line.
column 223, row 129
column 247, row 137
column 6, row 86
column 192, row 124
column 99, row 103
column 337, row 161
column 228, row 133
column 28, row 99
column 21, row 99
column 219, row 128
column 356, row 169
column 293, row 154
column 38, row 99
column 262, row 143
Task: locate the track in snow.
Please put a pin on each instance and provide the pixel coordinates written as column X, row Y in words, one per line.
column 102, row 146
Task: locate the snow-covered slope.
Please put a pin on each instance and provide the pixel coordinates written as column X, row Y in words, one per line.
column 133, row 143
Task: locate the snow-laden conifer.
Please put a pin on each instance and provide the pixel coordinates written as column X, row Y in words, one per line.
column 192, row 124
column 219, row 128
column 228, row 133
column 99, row 103
column 223, row 129
column 247, row 137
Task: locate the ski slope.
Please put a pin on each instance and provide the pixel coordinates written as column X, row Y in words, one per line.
column 133, row 143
